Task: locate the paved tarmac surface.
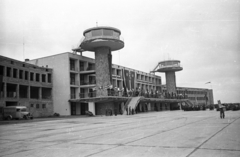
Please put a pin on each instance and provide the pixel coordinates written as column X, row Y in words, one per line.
column 169, row 133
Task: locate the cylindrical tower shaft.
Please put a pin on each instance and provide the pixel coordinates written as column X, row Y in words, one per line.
column 103, row 64
column 171, row 81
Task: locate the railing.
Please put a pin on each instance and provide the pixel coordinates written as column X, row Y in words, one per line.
column 169, row 66
column 73, row 96
column 82, row 68
column 11, row 94
column 47, row 97
column 87, row 95
column 74, row 83
column 90, row 68
column 87, row 83
column 73, row 68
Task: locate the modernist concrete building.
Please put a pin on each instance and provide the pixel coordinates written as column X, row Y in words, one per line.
column 27, row 85
column 74, row 78
column 197, row 96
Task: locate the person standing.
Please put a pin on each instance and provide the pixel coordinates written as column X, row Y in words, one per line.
column 221, row 109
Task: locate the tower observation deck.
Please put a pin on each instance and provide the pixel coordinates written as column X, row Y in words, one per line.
column 102, row 41
column 169, row 67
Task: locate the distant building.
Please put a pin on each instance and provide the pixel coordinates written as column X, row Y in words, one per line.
column 74, row 77
column 27, row 85
column 197, row 96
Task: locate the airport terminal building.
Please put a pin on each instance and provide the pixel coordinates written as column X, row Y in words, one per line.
column 71, row 84
column 74, row 77
column 24, row 84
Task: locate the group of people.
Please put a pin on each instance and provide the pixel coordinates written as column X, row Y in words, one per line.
column 194, row 107
column 145, row 93
column 130, row 111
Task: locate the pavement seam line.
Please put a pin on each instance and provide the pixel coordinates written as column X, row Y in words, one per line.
column 145, row 137
column 198, row 147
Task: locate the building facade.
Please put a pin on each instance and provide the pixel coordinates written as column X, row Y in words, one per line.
column 24, row 84
column 74, row 77
column 197, row 96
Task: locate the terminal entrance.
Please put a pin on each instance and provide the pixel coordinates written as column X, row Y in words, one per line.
column 78, row 108
column 83, row 108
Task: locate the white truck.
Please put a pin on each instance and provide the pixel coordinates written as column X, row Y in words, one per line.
column 16, row 112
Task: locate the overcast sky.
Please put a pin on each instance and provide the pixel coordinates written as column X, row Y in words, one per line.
column 203, row 34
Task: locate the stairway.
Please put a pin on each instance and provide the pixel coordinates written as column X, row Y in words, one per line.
column 188, row 102
column 133, row 102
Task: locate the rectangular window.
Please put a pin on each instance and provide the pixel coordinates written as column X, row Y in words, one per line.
column 37, row 77
column 49, row 78
column 21, row 74
column 9, row 70
column 37, row 105
column 15, row 73
column 32, row 105
column 97, row 33
column 72, row 79
column 31, row 76
column 72, row 64
column 107, row 32
column 43, row 78
column 1, row 70
column 26, row 75
column 43, row 105
column 81, row 66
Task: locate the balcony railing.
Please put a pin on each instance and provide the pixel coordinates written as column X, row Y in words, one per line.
column 87, row 95
column 73, row 96
column 74, row 83
column 90, row 68
column 73, row 68
column 87, row 83
column 47, row 97
column 11, row 94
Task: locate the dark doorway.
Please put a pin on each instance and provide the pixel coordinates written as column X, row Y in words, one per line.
column 73, row 108
column 84, row 107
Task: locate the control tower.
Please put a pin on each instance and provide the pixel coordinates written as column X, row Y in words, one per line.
column 169, row 67
column 102, row 41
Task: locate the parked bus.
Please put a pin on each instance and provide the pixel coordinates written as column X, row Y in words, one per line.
column 16, row 112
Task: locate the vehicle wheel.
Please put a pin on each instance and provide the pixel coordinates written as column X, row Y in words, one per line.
column 9, row 118
column 25, row 117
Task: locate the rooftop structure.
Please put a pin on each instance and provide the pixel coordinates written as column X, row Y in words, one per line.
column 169, row 67
column 102, row 41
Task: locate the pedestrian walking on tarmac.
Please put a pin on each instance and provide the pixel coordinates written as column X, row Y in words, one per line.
column 221, row 109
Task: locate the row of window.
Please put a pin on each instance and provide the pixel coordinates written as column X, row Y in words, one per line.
column 197, row 98
column 38, row 106
column 189, row 92
column 23, row 91
column 24, row 75
column 85, row 66
column 148, row 78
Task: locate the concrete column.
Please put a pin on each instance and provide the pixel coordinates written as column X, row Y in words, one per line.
column 17, row 91
column 5, row 90
column 29, row 91
column 91, row 107
column 40, row 93
column 171, row 81
column 103, row 69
